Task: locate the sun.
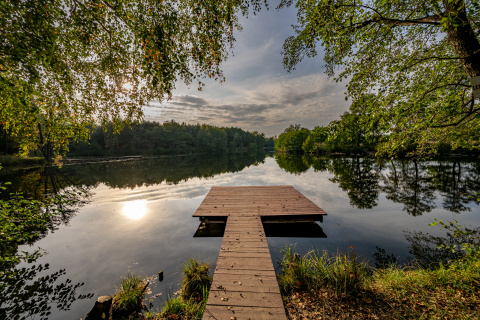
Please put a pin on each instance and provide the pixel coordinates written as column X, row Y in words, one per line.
column 135, row 210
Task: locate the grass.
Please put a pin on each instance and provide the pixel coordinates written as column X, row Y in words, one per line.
column 130, row 294
column 10, row 160
column 340, row 287
column 191, row 302
column 195, row 280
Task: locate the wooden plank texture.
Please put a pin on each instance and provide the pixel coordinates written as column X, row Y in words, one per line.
column 262, row 201
column 244, row 283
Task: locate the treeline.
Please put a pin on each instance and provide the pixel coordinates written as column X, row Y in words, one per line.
column 153, row 138
column 356, row 132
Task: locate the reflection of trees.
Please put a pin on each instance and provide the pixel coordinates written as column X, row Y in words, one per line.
column 25, row 220
column 26, row 295
column 292, row 163
column 320, row 164
column 457, row 182
column 432, row 251
column 130, row 174
column 358, row 177
column 42, row 199
column 41, row 182
column 408, row 182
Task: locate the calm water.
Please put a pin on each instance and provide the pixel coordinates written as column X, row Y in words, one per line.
column 138, row 217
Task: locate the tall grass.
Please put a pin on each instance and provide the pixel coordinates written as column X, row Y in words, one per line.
column 130, row 294
column 419, row 291
column 342, row 273
column 178, row 308
column 195, row 279
column 191, row 302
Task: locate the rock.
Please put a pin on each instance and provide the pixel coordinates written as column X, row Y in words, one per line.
column 102, row 310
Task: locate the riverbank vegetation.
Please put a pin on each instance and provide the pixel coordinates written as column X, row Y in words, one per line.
column 321, row 285
column 355, row 133
column 192, row 299
column 152, row 139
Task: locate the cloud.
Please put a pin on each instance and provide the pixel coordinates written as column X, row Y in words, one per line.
column 258, row 93
column 310, row 100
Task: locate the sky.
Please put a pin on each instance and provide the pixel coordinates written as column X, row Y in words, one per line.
column 259, row 94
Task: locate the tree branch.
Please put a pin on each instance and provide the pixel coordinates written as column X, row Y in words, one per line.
column 430, row 20
column 417, row 61
column 469, row 113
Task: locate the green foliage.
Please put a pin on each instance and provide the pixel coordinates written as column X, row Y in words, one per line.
column 196, row 279
column 315, row 140
column 152, row 138
column 65, row 63
column 291, row 141
column 130, row 294
column 177, row 308
column 173, row 306
column 459, row 244
column 430, row 293
column 194, row 293
column 416, row 292
column 355, row 131
column 416, row 58
column 10, row 160
column 342, row 273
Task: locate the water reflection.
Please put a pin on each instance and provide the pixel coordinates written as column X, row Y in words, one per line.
column 96, row 246
column 34, row 182
column 309, row 229
column 135, row 210
column 415, row 184
column 29, row 293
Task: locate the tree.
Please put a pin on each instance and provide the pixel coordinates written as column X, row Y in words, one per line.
column 415, row 56
column 292, row 139
column 314, row 140
column 65, row 64
column 356, row 131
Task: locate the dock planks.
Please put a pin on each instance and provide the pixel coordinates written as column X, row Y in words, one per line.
column 244, row 283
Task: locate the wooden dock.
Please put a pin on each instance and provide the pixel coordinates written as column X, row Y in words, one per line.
column 244, row 283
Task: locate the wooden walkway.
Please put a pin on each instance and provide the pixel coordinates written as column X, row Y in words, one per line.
column 244, row 283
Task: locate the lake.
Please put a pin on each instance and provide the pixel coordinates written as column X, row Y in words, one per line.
column 138, row 218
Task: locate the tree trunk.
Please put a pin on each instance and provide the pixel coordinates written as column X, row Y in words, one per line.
column 6, row 142
column 45, row 146
column 461, row 37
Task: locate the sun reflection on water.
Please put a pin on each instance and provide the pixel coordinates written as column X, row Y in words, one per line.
column 135, row 210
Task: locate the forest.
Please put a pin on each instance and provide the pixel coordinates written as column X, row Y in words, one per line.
column 153, row 138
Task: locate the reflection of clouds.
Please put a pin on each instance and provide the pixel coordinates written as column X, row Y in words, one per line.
column 264, row 174
column 163, row 239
